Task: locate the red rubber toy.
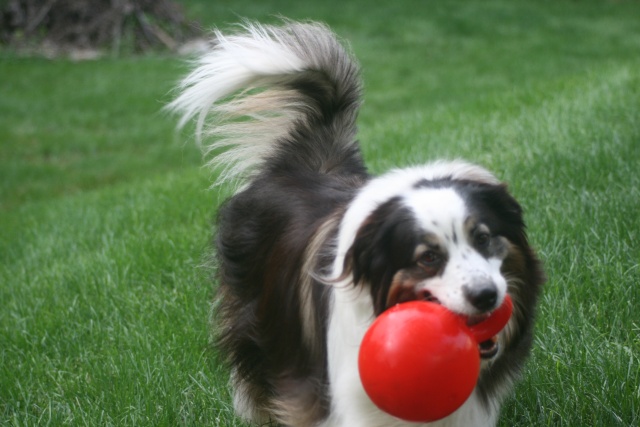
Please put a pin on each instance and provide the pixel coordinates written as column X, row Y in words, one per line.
column 420, row 362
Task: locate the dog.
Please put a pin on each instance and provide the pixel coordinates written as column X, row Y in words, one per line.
column 311, row 247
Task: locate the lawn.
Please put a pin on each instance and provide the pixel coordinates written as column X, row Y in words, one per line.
column 105, row 212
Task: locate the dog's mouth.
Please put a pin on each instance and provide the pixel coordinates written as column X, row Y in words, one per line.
column 489, row 348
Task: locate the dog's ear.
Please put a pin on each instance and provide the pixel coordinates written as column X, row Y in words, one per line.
column 383, row 245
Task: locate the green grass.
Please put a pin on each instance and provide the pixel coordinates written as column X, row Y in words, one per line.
column 105, row 219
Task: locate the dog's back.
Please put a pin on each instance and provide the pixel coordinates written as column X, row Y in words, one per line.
column 274, row 342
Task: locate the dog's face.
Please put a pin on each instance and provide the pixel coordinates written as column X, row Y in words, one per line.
column 456, row 259
column 458, row 243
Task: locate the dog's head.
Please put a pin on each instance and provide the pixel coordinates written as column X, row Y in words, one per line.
column 451, row 234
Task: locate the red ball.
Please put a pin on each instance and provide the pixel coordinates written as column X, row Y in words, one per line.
column 420, row 362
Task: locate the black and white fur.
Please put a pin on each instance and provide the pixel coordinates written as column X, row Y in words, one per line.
column 312, row 248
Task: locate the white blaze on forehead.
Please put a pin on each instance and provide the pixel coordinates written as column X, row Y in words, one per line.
column 438, row 210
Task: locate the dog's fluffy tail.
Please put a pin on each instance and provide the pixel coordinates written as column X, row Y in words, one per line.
column 288, row 94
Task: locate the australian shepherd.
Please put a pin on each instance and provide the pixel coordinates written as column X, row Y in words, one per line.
column 311, row 247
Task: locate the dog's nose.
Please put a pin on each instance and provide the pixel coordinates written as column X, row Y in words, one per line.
column 482, row 296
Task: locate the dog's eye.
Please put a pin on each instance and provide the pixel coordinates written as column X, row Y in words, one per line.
column 430, row 259
column 483, row 239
